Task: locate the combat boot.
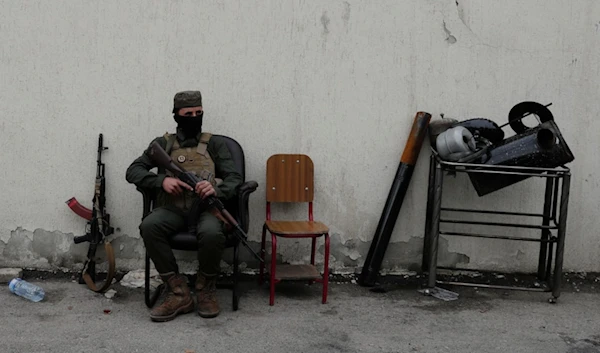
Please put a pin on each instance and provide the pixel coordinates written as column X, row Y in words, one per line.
column 178, row 300
column 206, row 294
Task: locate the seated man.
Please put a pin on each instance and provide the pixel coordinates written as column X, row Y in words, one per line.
column 195, row 151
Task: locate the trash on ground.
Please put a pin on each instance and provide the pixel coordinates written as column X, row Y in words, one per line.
column 439, row 293
column 135, row 279
column 26, row 290
column 7, row 274
column 110, row 293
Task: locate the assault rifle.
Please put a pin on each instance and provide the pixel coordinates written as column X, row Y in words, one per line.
column 97, row 229
column 158, row 155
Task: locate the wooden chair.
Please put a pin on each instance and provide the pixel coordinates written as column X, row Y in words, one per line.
column 290, row 178
column 237, row 206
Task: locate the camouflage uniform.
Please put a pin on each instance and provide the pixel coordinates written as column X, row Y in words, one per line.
column 170, row 216
column 198, row 153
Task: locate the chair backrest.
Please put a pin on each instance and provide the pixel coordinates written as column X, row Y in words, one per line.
column 290, row 178
column 237, row 153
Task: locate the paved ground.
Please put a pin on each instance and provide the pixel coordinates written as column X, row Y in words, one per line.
column 72, row 319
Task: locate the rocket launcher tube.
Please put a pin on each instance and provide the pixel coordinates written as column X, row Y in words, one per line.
column 382, row 236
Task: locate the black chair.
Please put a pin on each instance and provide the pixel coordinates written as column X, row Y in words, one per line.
column 237, row 206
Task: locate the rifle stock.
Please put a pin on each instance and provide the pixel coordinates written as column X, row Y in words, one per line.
column 160, row 157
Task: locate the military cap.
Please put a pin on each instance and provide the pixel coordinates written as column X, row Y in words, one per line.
column 187, row 99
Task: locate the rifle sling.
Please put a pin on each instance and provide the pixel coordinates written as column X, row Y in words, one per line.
column 110, row 256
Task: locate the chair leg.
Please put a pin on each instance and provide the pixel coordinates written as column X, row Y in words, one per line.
column 272, row 274
column 147, row 281
column 313, row 250
column 150, row 299
column 263, row 250
column 326, row 269
column 236, row 296
column 312, row 255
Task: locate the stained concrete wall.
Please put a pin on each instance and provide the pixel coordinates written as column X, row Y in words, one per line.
column 338, row 80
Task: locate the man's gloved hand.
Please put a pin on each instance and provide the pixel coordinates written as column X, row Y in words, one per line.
column 204, row 189
column 174, row 186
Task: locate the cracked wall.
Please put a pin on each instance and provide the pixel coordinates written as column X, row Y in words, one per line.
column 337, row 80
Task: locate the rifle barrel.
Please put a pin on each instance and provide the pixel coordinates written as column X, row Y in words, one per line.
column 99, row 164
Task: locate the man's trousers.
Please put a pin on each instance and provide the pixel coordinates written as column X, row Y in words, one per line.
column 164, row 222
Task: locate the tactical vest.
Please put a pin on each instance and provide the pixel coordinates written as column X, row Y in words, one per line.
column 193, row 159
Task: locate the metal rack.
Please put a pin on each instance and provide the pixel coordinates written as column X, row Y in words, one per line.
column 552, row 226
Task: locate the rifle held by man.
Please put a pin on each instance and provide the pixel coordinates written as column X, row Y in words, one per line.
column 160, row 156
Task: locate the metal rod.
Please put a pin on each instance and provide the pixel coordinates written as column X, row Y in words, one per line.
column 549, row 263
column 499, row 224
column 493, row 212
column 493, row 167
column 545, row 234
column 489, row 236
column 459, row 269
column 504, row 172
column 435, row 223
column 562, row 229
column 462, row 269
column 564, row 169
column 494, row 286
column 427, row 234
column 555, row 202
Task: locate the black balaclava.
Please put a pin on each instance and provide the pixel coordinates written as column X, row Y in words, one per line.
column 191, row 126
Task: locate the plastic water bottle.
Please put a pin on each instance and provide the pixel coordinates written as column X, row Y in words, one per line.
column 26, row 290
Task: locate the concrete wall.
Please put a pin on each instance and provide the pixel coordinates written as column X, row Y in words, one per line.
column 338, row 80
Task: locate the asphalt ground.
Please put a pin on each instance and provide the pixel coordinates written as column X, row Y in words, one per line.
column 396, row 318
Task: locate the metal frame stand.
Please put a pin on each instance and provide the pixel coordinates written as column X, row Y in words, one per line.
column 553, row 219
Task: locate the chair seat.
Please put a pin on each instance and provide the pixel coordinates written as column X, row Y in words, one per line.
column 296, row 227
column 187, row 241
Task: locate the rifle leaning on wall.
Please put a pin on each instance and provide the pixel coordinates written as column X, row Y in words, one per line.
column 160, row 156
column 97, row 229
